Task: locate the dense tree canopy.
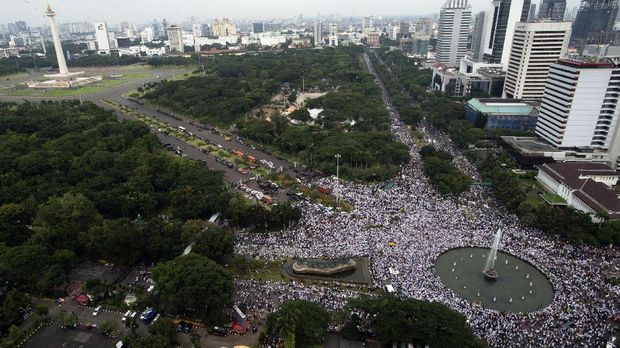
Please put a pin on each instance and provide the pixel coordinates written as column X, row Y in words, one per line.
column 441, row 171
column 432, row 324
column 300, row 323
column 76, row 184
column 194, row 283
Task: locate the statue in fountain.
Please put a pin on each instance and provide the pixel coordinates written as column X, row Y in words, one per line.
column 489, row 270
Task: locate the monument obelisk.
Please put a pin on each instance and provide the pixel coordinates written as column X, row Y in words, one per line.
column 64, row 78
column 64, row 73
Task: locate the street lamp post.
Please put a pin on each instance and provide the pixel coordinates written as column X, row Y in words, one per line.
column 338, row 178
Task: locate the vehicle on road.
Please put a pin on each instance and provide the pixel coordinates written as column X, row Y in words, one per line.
column 96, row 311
column 148, row 315
column 217, row 331
column 185, row 327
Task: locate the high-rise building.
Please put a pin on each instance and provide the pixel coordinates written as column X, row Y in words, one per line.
column 594, row 16
column 225, row 27
column 477, row 45
column 146, row 35
column 403, row 28
column 373, row 39
column 580, row 106
column 504, row 16
column 536, row 45
column 175, row 36
column 164, row 25
column 453, row 32
column 318, row 32
column 368, row 24
column 101, row 34
column 333, row 35
column 156, row 30
column 206, row 30
column 532, row 14
column 552, row 9
column 197, row 30
column 125, row 26
column 258, row 28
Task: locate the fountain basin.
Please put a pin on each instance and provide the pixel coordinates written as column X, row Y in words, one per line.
column 470, row 282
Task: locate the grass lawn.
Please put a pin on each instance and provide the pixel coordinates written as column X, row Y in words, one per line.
column 262, row 270
column 90, row 89
column 553, row 198
column 25, row 92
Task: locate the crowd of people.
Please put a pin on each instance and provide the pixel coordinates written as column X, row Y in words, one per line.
column 408, row 226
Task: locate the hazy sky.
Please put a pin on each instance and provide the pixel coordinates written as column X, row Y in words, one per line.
column 138, row 11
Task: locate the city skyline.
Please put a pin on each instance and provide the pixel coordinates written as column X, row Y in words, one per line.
column 145, row 11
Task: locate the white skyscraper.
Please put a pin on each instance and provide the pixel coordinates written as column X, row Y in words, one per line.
column 318, row 32
column 580, row 107
column 101, row 34
column 535, row 47
column 453, row 32
column 333, row 35
column 175, row 36
column 147, row 35
column 197, row 30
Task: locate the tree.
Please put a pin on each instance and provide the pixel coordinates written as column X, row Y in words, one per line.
column 41, row 311
column 393, row 319
column 194, row 339
column 301, row 323
column 209, row 240
column 64, row 221
column 67, row 320
column 184, row 281
column 108, row 326
column 164, row 327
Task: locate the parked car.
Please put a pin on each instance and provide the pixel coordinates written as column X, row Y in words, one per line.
column 148, row 315
column 217, row 331
column 185, row 327
column 96, row 311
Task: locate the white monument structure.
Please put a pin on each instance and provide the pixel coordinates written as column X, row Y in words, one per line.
column 64, row 79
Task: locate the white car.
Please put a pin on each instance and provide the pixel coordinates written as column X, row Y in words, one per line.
column 96, row 311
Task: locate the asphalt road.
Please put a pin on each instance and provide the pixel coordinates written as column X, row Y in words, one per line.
column 287, row 167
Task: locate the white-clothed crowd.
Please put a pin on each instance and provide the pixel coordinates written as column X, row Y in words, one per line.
column 408, row 226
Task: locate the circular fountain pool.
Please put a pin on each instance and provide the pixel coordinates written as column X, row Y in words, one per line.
column 519, row 287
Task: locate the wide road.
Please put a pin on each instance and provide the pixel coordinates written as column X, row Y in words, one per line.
column 287, row 167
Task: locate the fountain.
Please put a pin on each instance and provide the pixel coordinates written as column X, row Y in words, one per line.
column 460, row 270
column 489, row 270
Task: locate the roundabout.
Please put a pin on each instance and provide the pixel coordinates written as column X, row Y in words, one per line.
column 514, row 285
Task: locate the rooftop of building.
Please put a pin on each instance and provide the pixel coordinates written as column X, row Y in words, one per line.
column 502, row 106
column 591, row 62
column 529, row 145
column 578, row 177
column 456, row 4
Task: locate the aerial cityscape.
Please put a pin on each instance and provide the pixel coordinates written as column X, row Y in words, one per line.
column 265, row 174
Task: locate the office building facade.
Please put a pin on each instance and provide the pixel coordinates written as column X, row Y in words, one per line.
column 479, row 34
column 536, row 45
column 318, row 33
column 258, row 28
column 579, row 108
column 552, row 9
column 594, row 16
column 101, row 35
column 453, row 32
column 175, row 36
column 505, row 15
